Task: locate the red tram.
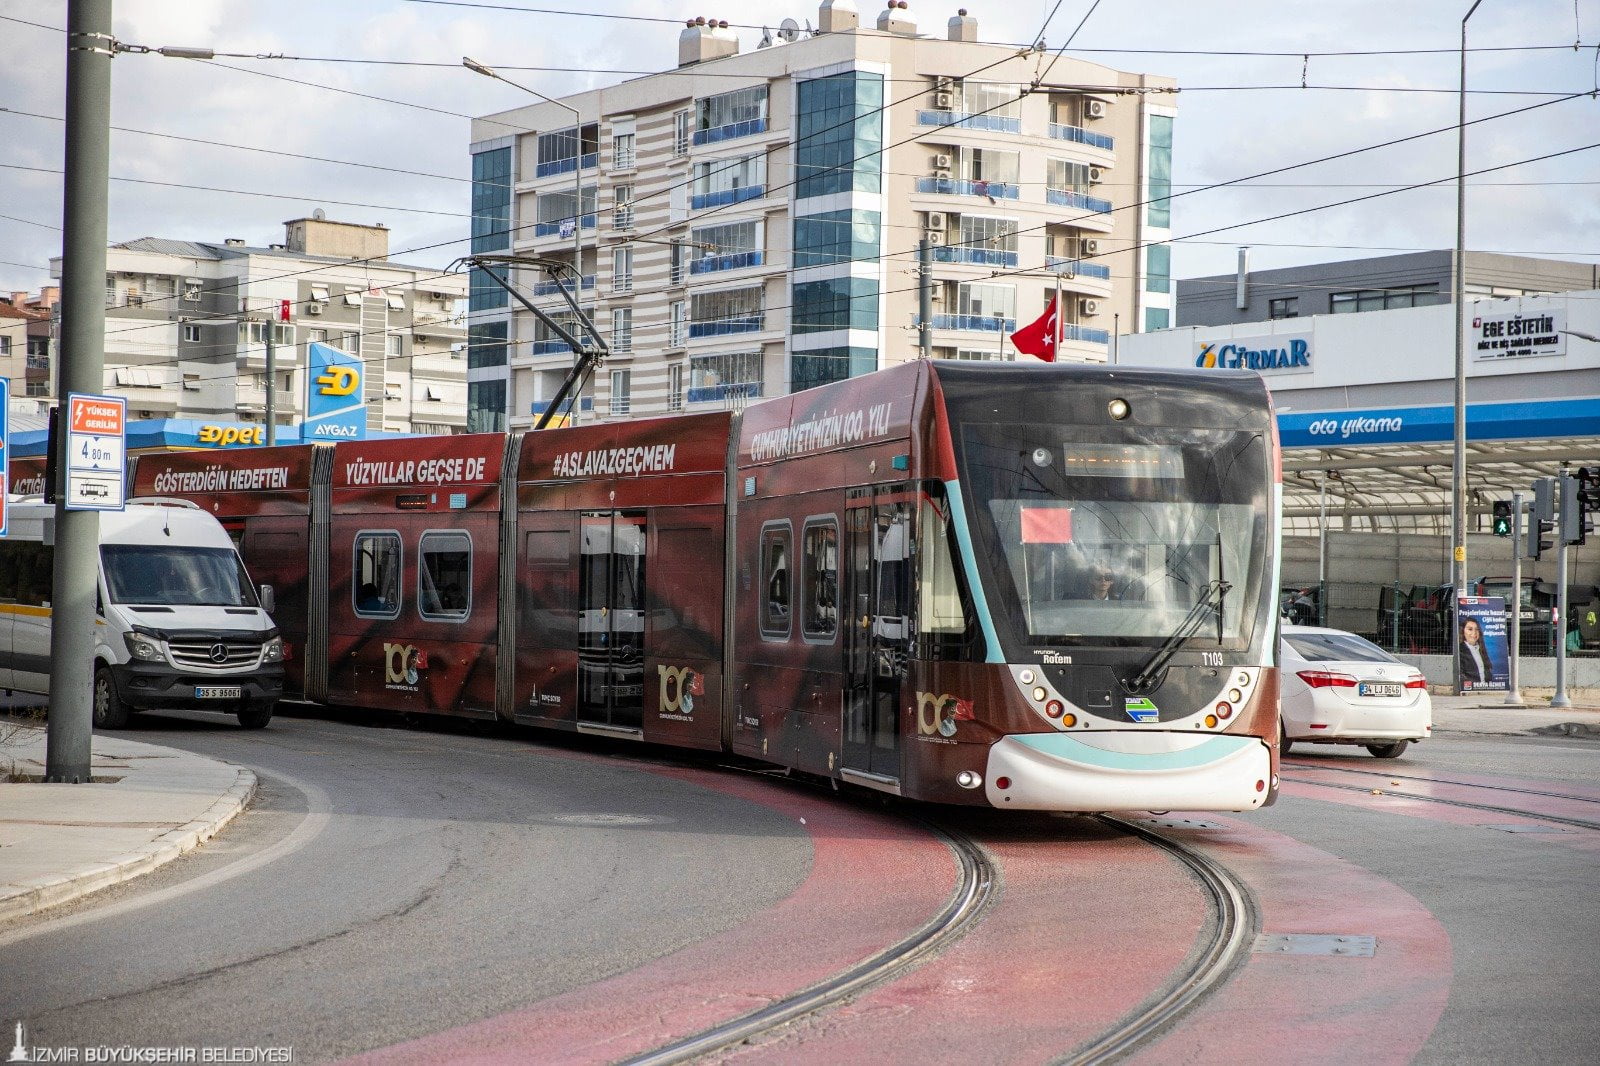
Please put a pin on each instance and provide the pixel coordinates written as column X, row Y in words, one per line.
column 1040, row 587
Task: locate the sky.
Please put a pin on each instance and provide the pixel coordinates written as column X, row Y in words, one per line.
column 386, row 141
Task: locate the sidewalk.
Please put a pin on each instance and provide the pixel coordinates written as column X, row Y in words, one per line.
column 1487, row 713
column 60, row 842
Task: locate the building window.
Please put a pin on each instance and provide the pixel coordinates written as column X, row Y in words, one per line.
column 622, row 154
column 559, row 152
column 444, row 580
column 681, row 125
column 991, row 99
column 253, row 334
column 833, row 238
column 37, row 388
column 1158, row 191
column 839, row 134
column 486, row 344
column 352, row 343
column 978, row 299
column 554, row 212
column 739, row 113
column 317, row 336
column 823, row 366
column 819, row 580
column 622, row 329
column 622, row 270
column 679, row 258
column 836, row 303
column 730, row 376
column 1156, row 318
column 375, row 577
column 984, row 240
column 491, row 203
column 719, row 182
column 729, row 246
column 191, row 333
column 486, row 406
column 675, row 324
column 1385, row 299
column 622, row 217
column 1284, row 307
column 621, row 382
column 394, row 345
column 675, row 387
column 715, row 314
column 1158, row 268
column 775, row 577
column 987, row 166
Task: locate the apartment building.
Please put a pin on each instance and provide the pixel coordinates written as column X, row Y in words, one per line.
column 749, row 222
column 186, row 326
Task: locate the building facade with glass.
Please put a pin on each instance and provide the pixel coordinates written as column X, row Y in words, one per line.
column 749, row 223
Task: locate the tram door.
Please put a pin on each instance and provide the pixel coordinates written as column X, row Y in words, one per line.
column 611, row 597
column 878, row 579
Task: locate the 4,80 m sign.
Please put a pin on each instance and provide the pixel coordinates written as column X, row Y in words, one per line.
column 97, row 449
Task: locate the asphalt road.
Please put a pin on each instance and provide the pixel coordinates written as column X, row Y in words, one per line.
column 389, row 884
column 418, row 880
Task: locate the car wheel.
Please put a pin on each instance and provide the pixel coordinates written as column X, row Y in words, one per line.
column 1284, row 743
column 256, row 717
column 109, row 710
column 1388, row 751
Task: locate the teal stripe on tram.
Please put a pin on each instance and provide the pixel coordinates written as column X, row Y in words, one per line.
column 1064, row 747
column 958, row 512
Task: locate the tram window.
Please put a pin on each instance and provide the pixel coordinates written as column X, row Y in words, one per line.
column 820, row 579
column 776, row 539
column 375, row 580
column 444, row 576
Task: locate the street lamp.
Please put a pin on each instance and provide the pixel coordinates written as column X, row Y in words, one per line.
column 1578, row 333
column 578, row 176
column 1458, row 473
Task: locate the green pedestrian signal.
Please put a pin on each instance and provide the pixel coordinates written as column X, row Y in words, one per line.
column 1502, row 518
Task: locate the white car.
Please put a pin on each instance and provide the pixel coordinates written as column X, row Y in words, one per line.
column 1338, row 688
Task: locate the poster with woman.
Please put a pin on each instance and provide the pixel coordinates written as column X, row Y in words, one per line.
column 1484, row 662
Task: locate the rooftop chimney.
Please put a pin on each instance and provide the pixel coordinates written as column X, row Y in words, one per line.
column 963, row 27
column 896, row 18
column 234, row 242
column 837, row 16
column 704, row 39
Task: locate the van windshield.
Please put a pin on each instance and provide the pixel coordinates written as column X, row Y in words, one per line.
column 176, row 576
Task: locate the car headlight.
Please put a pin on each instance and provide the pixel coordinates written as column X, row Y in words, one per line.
column 272, row 651
column 145, row 646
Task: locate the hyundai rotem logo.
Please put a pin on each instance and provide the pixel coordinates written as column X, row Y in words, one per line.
column 219, row 653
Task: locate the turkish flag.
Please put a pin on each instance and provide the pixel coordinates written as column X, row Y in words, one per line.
column 1039, row 337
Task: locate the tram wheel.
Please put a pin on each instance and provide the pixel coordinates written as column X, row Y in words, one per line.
column 1388, row 751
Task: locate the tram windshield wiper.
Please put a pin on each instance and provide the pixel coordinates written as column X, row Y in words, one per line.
column 1214, row 591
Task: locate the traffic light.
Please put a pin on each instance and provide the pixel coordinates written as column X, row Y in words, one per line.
column 1572, row 523
column 1502, row 518
column 1542, row 519
column 1588, row 479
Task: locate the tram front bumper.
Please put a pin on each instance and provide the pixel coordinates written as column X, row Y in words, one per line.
column 1129, row 771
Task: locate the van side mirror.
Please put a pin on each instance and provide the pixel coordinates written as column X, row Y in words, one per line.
column 268, row 600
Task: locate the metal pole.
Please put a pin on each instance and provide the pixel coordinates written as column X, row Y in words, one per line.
column 1322, row 537
column 83, row 357
column 1560, row 698
column 1514, row 658
column 1458, row 467
column 925, row 296
column 272, row 372
column 1116, row 335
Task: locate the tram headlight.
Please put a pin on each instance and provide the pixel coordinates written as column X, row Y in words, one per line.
column 1234, row 696
column 969, row 779
column 1039, row 694
column 1119, row 409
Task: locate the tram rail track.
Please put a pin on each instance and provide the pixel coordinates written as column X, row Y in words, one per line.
column 1442, row 781
column 1515, row 812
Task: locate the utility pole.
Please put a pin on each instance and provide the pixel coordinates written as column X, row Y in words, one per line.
column 272, row 372
column 925, row 297
column 90, row 49
column 1513, row 688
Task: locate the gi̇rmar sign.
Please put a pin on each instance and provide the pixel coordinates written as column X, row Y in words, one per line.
column 1279, row 352
column 336, row 408
column 1518, row 334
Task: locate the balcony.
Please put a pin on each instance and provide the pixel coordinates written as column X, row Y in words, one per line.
column 702, row 201
column 549, row 347
column 718, row 134
column 38, row 362
column 733, row 390
column 565, row 166
column 550, row 229
column 1078, row 267
column 622, row 218
column 992, row 123
column 1086, row 334
column 553, row 288
column 1079, row 135
column 961, row 253
column 721, row 327
column 733, row 261
column 975, row 323
column 994, row 190
column 1083, row 202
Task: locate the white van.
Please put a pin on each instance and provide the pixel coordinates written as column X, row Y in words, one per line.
column 179, row 624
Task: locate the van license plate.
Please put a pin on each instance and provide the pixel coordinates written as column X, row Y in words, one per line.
column 218, row 692
column 1380, row 688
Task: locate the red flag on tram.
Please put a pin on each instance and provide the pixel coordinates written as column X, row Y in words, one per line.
column 1039, row 337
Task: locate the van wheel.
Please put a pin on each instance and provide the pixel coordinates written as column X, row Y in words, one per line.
column 1388, row 751
column 109, row 710
column 256, row 717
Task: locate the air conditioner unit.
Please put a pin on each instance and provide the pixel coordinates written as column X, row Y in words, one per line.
column 314, row 309
column 943, row 101
column 941, row 161
column 942, row 175
column 1094, row 109
column 1096, row 175
column 933, row 236
column 1089, row 307
column 935, row 220
column 1090, row 246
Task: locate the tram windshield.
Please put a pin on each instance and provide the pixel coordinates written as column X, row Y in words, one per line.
column 1099, row 541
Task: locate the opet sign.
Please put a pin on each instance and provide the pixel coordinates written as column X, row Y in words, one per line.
column 227, row 436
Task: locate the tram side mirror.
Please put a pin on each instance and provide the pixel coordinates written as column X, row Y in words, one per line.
column 269, row 602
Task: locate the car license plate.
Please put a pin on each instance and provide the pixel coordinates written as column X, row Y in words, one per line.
column 218, row 692
column 1380, row 688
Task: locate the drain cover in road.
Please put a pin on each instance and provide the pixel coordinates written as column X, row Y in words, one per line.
column 1316, row 944
column 602, row 819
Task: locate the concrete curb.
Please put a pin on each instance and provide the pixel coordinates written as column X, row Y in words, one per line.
column 43, row 893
